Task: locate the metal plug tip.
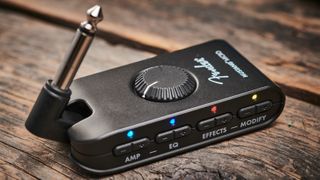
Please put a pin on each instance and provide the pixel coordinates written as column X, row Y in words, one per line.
column 95, row 15
column 79, row 47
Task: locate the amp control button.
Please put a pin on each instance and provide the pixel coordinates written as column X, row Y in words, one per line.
column 206, row 124
column 164, row 137
column 264, row 106
column 122, row 149
column 247, row 111
column 181, row 132
column 223, row 119
column 140, row 144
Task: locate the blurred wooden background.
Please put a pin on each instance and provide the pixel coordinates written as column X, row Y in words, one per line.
column 280, row 37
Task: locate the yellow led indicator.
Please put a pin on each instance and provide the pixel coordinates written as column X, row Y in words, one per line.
column 254, row 97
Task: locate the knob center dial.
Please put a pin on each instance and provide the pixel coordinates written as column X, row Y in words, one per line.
column 164, row 83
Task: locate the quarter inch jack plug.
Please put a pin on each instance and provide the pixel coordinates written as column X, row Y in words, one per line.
column 49, row 117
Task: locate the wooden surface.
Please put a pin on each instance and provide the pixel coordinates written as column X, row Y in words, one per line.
column 282, row 38
column 277, row 36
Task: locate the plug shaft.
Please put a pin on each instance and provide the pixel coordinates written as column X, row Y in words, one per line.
column 78, row 50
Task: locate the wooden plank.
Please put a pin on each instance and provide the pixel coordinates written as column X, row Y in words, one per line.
column 280, row 37
column 31, row 51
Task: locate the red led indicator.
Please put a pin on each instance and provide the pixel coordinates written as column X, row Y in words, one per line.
column 214, row 109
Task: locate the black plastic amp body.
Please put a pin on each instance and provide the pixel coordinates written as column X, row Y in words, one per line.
column 157, row 108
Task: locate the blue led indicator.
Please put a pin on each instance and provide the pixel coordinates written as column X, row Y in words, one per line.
column 172, row 121
column 130, row 134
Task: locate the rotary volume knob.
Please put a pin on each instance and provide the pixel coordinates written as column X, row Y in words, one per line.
column 164, row 83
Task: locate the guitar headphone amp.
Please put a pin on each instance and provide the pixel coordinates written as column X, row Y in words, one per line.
column 153, row 109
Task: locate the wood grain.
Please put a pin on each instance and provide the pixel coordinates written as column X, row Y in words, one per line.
column 280, row 37
column 30, row 51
